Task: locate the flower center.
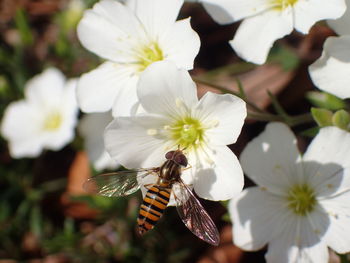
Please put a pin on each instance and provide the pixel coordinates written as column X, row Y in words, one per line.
column 301, row 199
column 282, row 4
column 149, row 54
column 187, row 132
column 53, row 121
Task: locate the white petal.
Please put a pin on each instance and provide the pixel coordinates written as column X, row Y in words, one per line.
column 46, row 88
column 220, row 180
column 331, row 182
column 165, row 89
column 342, row 25
column 26, row 142
column 219, row 14
column 56, row 140
column 126, row 101
column 297, row 243
column 257, row 217
column 225, row 113
column 128, row 141
column 173, row 41
column 92, row 127
column 327, row 154
column 234, row 9
column 105, row 162
column 69, row 102
column 271, row 159
column 331, row 72
column 110, row 30
column 307, row 13
column 338, row 209
column 98, row 89
column 264, row 29
column 155, row 15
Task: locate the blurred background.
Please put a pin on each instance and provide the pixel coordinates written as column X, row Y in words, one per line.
column 45, row 215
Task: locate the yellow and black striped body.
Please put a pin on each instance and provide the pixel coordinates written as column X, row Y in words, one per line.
column 158, row 195
column 153, row 206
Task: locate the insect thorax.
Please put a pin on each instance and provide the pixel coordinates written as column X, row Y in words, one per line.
column 170, row 172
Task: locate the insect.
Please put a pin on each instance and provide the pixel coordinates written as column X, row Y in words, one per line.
column 158, row 195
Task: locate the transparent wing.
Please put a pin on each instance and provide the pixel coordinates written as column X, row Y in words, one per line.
column 194, row 215
column 120, row 183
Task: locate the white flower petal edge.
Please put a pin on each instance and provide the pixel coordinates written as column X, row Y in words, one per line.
column 307, row 13
column 325, row 163
column 342, row 24
column 266, row 28
column 228, row 11
column 49, row 118
column 331, row 72
column 97, row 90
column 92, row 127
column 270, row 159
column 131, row 36
column 248, row 218
column 107, row 30
column 156, row 15
column 174, row 117
column 338, row 235
column 213, row 106
column 221, row 179
column 303, row 217
column 286, row 247
column 165, row 94
column 22, row 142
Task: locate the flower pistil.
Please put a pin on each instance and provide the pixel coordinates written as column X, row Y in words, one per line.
column 301, row 199
column 282, row 4
column 148, row 54
column 52, row 121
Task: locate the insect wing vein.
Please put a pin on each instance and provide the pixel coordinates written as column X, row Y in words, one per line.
column 116, row 184
column 194, row 215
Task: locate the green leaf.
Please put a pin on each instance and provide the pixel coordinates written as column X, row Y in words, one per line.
column 226, row 217
column 325, row 100
column 284, row 56
column 322, row 117
column 23, row 27
column 341, row 119
column 312, row 132
column 36, row 221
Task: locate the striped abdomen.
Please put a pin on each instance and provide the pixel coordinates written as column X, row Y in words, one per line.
column 153, row 206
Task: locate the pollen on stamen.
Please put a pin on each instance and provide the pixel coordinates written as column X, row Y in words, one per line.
column 152, row 132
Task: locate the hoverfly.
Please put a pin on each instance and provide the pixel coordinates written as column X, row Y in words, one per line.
column 158, row 195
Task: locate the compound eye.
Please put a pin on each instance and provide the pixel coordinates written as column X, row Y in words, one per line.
column 169, row 155
column 181, row 160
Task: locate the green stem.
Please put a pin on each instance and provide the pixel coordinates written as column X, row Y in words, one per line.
column 259, row 114
column 225, row 90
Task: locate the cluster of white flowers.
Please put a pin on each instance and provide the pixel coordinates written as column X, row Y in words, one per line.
column 265, row 21
column 144, row 101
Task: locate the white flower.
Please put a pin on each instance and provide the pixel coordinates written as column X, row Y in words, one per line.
column 45, row 119
column 91, row 127
column 342, row 24
column 130, row 37
column 265, row 21
column 331, row 72
column 301, row 204
column 175, row 118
